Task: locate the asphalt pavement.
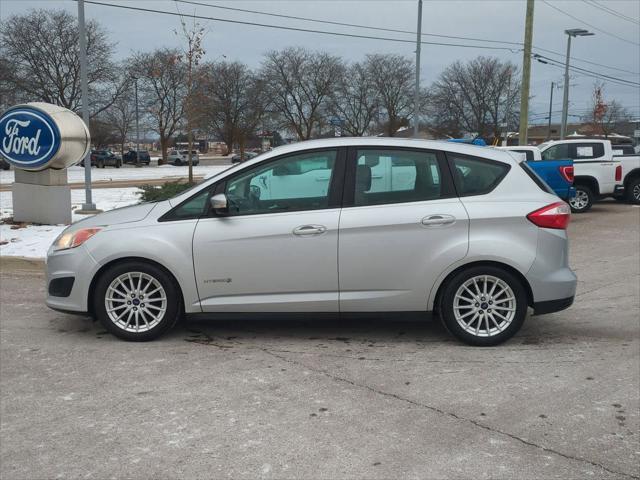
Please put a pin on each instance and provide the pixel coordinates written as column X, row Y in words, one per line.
column 332, row 399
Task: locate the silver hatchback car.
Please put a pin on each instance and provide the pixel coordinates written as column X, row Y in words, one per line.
column 344, row 226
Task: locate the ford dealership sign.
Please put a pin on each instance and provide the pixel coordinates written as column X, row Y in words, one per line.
column 36, row 136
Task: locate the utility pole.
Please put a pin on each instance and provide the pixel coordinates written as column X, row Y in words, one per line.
column 416, row 99
column 88, row 206
column 574, row 32
column 526, row 74
column 550, row 107
column 135, row 85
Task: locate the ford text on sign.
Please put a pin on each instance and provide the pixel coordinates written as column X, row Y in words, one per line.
column 29, row 138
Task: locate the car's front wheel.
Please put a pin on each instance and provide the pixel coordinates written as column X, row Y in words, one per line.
column 583, row 199
column 137, row 301
column 483, row 305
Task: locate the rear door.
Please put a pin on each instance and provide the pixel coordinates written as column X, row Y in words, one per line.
column 401, row 226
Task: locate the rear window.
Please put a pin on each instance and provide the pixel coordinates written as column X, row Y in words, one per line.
column 477, row 176
column 588, row 150
column 536, row 178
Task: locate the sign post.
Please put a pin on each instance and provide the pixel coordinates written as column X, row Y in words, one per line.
column 40, row 141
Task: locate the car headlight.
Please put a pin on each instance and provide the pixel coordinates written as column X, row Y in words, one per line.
column 74, row 239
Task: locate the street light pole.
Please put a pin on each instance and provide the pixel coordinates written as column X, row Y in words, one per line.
column 416, row 99
column 523, row 130
column 88, row 206
column 574, row 32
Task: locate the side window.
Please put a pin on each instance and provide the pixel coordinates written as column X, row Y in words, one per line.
column 557, row 152
column 293, row 183
column 477, row 176
column 191, row 208
column 588, row 150
column 396, row 176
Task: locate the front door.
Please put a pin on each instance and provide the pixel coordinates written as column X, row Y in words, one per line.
column 276, row 249
column 401, row 228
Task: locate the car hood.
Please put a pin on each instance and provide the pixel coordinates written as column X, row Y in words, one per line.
column 134, row 213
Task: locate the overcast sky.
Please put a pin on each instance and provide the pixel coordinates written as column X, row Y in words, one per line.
column 495, row 20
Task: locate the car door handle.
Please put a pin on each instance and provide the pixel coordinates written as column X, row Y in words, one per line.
column 306, row 230
column 438, row 220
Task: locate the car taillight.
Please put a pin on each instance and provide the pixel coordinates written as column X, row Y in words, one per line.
column 619, row 173
column 567, row 173
column 556, row 215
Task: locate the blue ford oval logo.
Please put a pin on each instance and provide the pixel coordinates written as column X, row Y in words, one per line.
column 29, row 138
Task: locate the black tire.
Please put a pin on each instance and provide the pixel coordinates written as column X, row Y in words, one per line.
column 118, row 164
column 173, row 303
column 447, row 304
column 633, row 191
column 177, row 163
column 583, row 200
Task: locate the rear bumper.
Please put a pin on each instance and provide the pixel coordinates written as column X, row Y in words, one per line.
column 550, row 306
column 618, row 190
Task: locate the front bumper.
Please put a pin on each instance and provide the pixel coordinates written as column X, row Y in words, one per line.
column 77, row 263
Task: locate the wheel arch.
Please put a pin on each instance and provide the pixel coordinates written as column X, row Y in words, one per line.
column 632, row 175
column 117, row 261
column 587, row 181
column 487, row 263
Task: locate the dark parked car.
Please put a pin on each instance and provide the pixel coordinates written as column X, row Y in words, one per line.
column 131, row 157
column 247, row 156
column 4, row 165
column 104, row 158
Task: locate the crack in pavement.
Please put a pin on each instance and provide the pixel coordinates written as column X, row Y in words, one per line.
column 449, row 414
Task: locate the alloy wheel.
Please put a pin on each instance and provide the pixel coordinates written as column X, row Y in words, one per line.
column 135, row 302
column 484, row 306
column 580, row 200
column 636, row 192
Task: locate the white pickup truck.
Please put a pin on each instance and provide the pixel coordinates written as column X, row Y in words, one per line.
column 598, row 172
column 630, row 172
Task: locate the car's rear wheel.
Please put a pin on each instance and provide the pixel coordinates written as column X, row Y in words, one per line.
column 583, row 199
column 483, row 305
column 137, row 301
column 633, row 191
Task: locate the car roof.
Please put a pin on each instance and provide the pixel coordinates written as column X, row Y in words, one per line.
column 453, row 147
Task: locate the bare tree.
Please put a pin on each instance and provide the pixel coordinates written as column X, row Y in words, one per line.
column 162, row 86
column 393, row 77
column 121, row 116
column 606, row 117
column 475, row 97
column 354, row 100
column 193, row 53
column 235, row 101
column 298, row 83
column 42, row 47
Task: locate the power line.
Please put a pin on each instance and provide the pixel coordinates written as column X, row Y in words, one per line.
column 573, row 67
column 588, row 24
column 296, row 29
column 611, row 11
column 342, row 24
column 588, row 73
column 385, row 29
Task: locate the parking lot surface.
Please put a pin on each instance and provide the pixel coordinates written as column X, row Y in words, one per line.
column 332, row 399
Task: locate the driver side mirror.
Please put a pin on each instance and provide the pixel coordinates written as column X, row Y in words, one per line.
column 219, row 203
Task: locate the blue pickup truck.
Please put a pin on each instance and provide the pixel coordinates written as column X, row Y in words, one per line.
column 557, row 174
